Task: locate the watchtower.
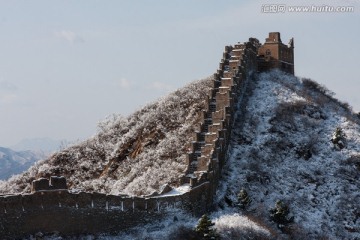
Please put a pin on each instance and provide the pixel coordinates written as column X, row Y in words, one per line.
column 274, row 54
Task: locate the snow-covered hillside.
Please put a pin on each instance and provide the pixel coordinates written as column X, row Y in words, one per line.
column 281, row 149
column 132, row 155
column 15, row 162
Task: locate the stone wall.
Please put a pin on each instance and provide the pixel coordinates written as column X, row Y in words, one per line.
column 50, row 209
column 91, row 213
column 211, row 140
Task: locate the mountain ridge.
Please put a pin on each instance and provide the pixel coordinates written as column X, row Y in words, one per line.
column 14, row 162
column 275, row 154
column 282, row 149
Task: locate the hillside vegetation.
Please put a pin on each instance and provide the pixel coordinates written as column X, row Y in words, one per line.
column 132, row 155
column 292, row 169
column 295, row 143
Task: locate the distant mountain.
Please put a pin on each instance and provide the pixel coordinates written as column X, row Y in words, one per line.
column 12, row 162
column 47, row 145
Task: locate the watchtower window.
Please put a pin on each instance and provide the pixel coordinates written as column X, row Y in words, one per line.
column 268, row 52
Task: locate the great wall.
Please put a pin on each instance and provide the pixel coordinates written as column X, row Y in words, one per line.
column 52, row 208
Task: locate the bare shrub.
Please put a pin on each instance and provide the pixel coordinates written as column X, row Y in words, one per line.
column 354, row 160
column 184, row 232
column 296, row 232
column 286, row 111
column 314, row 86
column 242, row 234
column 325, row 95
column 241, row 227
column 284, row 118
column 260, row 221
column 308, row 148
column 133, row 155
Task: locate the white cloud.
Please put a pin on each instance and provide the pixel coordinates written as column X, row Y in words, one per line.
column 123, row 83
column 161, row 86
column 69, row 36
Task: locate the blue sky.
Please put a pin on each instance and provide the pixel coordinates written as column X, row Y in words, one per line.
column 65, row 65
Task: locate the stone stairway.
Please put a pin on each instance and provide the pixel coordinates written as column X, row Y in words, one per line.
column 216, row 118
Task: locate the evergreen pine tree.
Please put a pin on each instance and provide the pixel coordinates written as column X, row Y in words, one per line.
column 338, row 138
column 205, row 230
column 279, row 214
column 243, row 199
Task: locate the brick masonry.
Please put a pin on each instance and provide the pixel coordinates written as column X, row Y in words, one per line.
column 53, row 208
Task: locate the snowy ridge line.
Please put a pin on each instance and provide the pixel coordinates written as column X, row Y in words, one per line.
column 93, row 213
column 321, row 187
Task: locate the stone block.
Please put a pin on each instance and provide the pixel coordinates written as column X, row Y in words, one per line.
column 57, row 183
column 40, row 184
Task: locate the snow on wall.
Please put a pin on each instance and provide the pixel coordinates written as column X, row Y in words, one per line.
column 76, row 213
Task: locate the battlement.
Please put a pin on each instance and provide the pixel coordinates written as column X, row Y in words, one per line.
column 50, row 207
column 211, row 140
column 274, row 37
column 72, row 214
column 43, row 184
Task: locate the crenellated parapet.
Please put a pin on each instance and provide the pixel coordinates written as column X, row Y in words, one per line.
column 211, row 140
column 72, row 214
column 51, row 207
column 43, row 184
